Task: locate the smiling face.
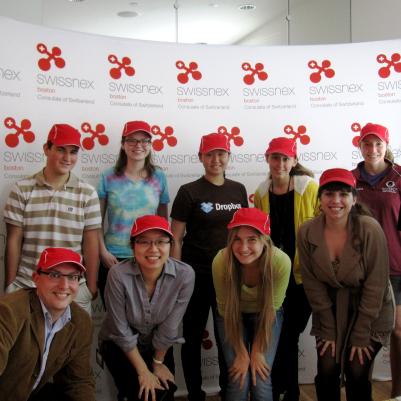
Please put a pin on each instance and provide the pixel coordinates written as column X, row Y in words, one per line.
column 60, row 159
column 247, row 246
column 57, row 294
column 336, row 204
column 215, row 162
column 136, row 146
column 373, row 150
column 151, row 250
column 280, row 165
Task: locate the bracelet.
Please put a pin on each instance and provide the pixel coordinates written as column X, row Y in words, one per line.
column 157, row 362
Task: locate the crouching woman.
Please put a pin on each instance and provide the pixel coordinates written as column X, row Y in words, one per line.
column 250, row 277
column 146, row 298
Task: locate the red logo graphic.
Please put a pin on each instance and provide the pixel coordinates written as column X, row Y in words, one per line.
column 45, row 63
column 315, row 77
column 234, row 135
column 206, row 342
column 251, row 198
column 115, row 72
column 89, row 142
column 299, row 134
column 356, row 127
column 192, row 69
column 385, row 71
column 167, row 136
column 249, row 79
column 12, row 139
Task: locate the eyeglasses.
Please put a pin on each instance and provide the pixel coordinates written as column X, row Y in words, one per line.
column 133, row 141
column 147, row 243
column 57, row 276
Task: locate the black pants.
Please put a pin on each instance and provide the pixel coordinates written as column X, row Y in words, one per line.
column 285, row 367
column 357, row 377
column 194, row 324
column 124, row 374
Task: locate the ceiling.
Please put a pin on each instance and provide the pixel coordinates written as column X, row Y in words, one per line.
column 184, row 21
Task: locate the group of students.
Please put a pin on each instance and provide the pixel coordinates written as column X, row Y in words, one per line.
column 304, row 248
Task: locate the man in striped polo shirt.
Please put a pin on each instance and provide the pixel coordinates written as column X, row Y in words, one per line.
column 53, row 208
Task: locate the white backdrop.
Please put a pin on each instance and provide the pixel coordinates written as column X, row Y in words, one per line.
column 320, row 95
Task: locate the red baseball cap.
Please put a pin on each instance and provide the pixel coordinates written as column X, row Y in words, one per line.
column 64, row 135
column 131, row 127
column 282, row 145
column 337, row 175
column 150, row 222
column 251, row 217
column 52, row 257
column 374, row 129
column 213, row 142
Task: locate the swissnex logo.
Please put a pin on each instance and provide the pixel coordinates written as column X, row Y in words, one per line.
column 122, row 66
column 12, row 139
column 166, row 136
column 96, row 134
column 299, row 134
column 53, row 59
column 52, row 56
column 393, row 62
column 324, row 69
column 356, row 128
column 253, row 72
column 190, row 71
column 233, row 135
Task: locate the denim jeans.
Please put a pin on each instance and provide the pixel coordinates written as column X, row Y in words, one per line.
column 263, row 389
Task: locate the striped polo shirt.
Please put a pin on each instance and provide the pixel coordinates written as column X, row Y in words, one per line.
column 50, row 218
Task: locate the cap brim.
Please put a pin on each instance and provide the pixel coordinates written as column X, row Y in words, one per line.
column 153, row 228
column 138, row 130
column 338, row 179
column 231, row 226
column 281, row 152
column 81, row 266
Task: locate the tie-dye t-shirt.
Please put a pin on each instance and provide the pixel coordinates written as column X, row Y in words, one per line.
column 126, row 201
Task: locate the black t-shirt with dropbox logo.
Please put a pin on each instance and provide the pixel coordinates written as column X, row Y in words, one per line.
column 206, row 209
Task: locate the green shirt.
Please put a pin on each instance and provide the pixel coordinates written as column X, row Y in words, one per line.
column 281, row 265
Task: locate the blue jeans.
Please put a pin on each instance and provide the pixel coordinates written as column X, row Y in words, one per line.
column 263, row 389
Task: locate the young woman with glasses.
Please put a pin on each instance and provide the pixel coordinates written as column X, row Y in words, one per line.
column 146, row 298
column 134, row 187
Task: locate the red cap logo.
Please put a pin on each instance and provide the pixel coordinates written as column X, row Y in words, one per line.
column 385, row 71
column 356, row 127
column 316, row 77
column 12, row 138
column 54, row 55
column 167, row 135
column 123, row 65
column 233, row 135
column 299, row 134
column 192, row 70
column 89, row 142
column 249, row 79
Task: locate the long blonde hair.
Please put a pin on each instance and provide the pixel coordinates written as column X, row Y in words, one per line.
column 232, row 312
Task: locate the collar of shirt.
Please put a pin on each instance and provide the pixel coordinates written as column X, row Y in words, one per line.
column 71, row 182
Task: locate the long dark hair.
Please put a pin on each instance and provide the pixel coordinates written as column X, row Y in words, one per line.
column 357, row 210
column 122, row 159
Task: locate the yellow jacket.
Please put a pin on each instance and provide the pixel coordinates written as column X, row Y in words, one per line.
column 306, row 206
